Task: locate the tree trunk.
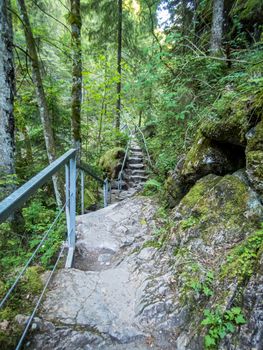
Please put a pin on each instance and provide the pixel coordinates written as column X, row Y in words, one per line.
column 76, row 92
column 140, row 118
column 7, row 88
column 41, row 97
column 7, row 121
column 118, row 106
column 217, row 26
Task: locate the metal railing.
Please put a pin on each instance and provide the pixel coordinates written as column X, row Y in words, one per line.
column 85, row 168
column 120, row 175
column 15, row 201
column 145, row 145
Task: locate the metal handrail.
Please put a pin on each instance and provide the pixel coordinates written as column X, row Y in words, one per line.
column 22, row 194
column 124, row 159
column 8, row 293
column 89, row 170
column 106, row 184
column 17, row 198
column 145, row 146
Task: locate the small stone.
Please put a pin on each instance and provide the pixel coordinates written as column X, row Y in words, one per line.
column 21, row 319
column 4, row 325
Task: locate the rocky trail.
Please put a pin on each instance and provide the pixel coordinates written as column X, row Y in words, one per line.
column 108, row 300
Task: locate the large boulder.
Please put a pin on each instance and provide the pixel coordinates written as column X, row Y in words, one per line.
column 217, row 211
column 209, row 157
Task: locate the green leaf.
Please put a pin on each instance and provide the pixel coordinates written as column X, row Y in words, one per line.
column 230, row 327
column 236, row 310
column 209, row 341
column 240, row 319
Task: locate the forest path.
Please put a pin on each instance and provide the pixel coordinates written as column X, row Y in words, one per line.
column 134, row 174
column 102, row 302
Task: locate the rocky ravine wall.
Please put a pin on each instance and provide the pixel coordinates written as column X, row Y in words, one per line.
column 217, row 192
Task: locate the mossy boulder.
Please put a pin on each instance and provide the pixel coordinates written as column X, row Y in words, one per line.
column 111, row 161
column 230, row 129
column 235, row 115
column 221, row 210
column 254, row 158
column 208, row 157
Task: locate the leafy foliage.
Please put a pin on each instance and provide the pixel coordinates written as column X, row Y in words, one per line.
column 220, row 324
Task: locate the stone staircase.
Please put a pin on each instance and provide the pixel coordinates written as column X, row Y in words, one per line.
column 134, row 175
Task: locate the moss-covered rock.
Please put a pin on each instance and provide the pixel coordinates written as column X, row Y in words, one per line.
column 255, row 170
column 216, row 223
column 111, row 161
column 207, row 157
column 254, row 158
column 255, row 138
column 224, row 209
column 174, row 191
column 230, row 129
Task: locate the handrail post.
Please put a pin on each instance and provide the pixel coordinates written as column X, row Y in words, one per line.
column 82, row 192
column 72, row 178
column 67, row 197
column 105, row 192
column 110, row 191
column 72, row 166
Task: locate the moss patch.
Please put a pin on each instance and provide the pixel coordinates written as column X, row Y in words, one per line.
column 197, row 192
column 215, row 209
column 205, row 157
column 21, row 302
column 255, row 143
column 111, row 159
column 231, row 128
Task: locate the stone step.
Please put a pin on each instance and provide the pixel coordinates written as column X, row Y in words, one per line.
column 135, row 148
column 136, row 154
column 136, row 166
column 135, row 160
column 138, row 172
column 138, row 178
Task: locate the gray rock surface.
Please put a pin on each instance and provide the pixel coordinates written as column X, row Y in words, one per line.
column 105, row 301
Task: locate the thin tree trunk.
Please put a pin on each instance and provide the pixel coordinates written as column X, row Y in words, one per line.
column 140, row 118
column 118, row 106
column 103, row 104
column 217, row 26
column 7, row 88
column 41, row 97
column 29, row 153
column 76, row 92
